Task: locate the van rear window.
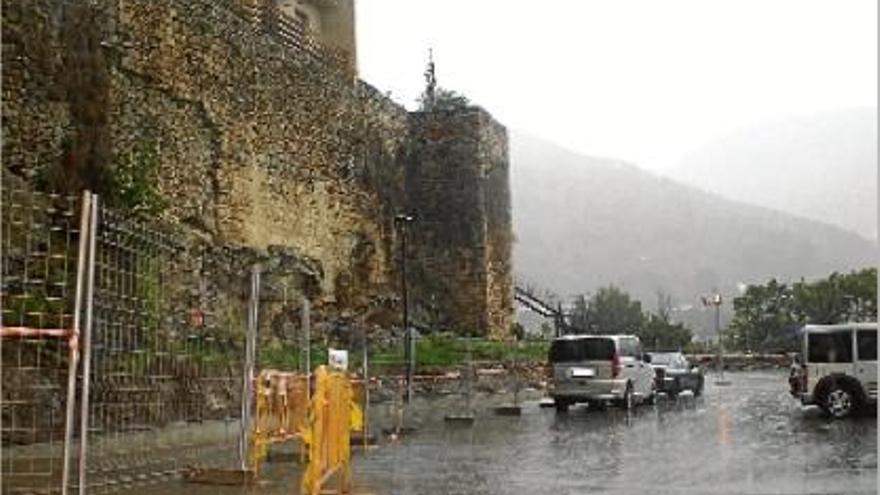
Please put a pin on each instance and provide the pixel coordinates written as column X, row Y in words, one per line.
column 833, row 347
column 591, row 349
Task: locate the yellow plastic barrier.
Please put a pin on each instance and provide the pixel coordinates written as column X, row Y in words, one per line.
column 358, row 396
column 332, row 416
column 280, row 406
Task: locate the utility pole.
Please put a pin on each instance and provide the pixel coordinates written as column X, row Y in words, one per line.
column 402, row 221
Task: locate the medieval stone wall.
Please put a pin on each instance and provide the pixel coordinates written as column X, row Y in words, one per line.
column 495, row 165
column 457, row 182
column 187, row 110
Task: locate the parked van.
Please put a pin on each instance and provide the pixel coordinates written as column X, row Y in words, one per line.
column 598, row 369
column 837, row 368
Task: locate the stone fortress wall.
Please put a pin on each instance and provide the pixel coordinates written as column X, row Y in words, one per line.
column 223, row 128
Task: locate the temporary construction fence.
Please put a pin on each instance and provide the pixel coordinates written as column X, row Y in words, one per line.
column 123, row 348
column 42, row 266
column 129, row 350
column 333, row 414
column 322, row 423
column 164, row 359
column 129, row 353
column 280, row 404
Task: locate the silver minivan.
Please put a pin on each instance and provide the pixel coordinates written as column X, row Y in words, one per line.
column 598, row 369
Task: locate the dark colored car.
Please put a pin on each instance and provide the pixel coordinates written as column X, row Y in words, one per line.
column 674, row 374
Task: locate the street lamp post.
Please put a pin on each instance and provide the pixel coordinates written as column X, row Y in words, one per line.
column 402, row 221
column 716, row 300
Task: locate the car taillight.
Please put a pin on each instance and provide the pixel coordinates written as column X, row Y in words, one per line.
column 615, row 365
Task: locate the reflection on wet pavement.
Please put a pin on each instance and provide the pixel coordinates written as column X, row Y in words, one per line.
column 746, row 438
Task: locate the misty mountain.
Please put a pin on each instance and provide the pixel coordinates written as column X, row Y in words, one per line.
column 583, row 222
column 822, row 167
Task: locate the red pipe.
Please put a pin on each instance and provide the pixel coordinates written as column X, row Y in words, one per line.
column 34, row 332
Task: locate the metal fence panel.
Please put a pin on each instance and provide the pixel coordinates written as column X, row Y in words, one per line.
column 166, row 349
column 40, row 236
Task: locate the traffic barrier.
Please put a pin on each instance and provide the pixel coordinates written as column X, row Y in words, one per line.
column 281, row 403
column 332, row 415
column 360, row 397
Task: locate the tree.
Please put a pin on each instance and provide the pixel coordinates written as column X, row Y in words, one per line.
column 839, row 298
column 767, row 316
column 762, row 315
column 579, row 319
column 547, row 330
column 861, row 290
column 664, row 305
column 821, row 302
column 659, row 334
column 611, row 310
column 443, row 99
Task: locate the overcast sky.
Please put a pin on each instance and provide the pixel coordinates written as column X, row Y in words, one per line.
column 641, row 80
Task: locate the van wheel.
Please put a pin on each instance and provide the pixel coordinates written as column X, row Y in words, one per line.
column 839, row 401
column 561, row 406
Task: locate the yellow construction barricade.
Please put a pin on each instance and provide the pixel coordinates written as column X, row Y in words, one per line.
column 280, row 406
column 332, row 415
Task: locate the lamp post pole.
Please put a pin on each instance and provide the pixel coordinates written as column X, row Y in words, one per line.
column 402, row 221
column 716, row 300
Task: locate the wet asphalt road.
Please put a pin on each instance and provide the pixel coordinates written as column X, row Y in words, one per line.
column 746, row 438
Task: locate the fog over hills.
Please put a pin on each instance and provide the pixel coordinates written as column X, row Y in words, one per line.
column 583, row 222
column 822, row 167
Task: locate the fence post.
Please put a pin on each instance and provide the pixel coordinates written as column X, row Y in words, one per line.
column 73, row 354
column 249, row 358
column 366, row 388
column 306, row 326
column 87, row 347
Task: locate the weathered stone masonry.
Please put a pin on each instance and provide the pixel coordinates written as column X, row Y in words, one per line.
column 257, row 145
column 457, row 183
